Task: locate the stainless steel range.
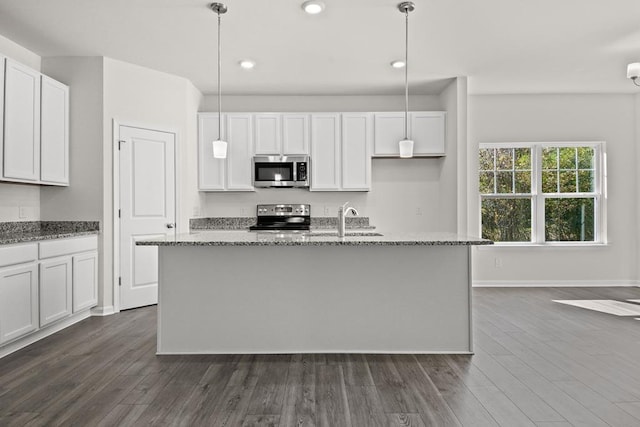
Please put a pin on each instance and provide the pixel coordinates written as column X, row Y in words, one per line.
column 282, row 218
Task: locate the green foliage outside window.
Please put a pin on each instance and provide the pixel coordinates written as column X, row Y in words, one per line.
column 563, row 171
column 506, row 220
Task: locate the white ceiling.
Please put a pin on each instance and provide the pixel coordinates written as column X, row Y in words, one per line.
column 504, row 46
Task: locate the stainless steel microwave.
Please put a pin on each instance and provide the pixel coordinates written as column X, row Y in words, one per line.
column 281, row 171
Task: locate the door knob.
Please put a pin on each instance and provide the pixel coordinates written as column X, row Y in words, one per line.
column 171, row 225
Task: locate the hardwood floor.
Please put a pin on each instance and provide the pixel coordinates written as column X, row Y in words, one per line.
column 537, row 363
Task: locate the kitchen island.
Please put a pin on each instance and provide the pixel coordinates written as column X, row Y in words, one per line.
column 246, row 292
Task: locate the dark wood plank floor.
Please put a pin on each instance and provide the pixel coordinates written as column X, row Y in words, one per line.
column 537, row 363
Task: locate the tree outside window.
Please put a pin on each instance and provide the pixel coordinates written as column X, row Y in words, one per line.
column 557, row 186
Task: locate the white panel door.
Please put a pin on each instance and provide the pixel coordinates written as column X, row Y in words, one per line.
column 21, row 150
column 268, row 136
column 55, row 290
column 239, row 154
column 356, row 152
column 18, row 301
column 54, row 132
column 388, row 131
column 85, row 281
column 211, row 171
column 325, row 152
column 295, row 134
column 428, row 133
column 147, row 210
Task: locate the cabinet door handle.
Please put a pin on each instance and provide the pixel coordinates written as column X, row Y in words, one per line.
column 171, row 225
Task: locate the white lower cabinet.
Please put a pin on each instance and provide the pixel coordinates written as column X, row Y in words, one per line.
column 18, row 301
column 55, row 290
column 46, row 282
column 85, row 281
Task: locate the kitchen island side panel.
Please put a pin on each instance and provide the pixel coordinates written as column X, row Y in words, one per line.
column 316, row 299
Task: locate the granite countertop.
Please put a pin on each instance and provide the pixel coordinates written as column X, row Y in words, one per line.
column 33, row 231
column 314, row 238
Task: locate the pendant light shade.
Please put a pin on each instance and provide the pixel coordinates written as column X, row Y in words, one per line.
column 406, row 145
column 220, row 149
column 406, row 148
column 219, row 145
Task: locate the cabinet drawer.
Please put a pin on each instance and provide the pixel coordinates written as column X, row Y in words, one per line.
column 18, row 254
column 68, row 246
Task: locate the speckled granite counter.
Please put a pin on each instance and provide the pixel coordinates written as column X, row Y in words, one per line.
column 30, row 231
column 314, row 238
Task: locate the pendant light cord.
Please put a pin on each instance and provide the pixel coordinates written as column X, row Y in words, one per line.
column 219, row 87
column 406, row 75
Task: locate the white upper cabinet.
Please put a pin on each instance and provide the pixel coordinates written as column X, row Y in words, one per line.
column 34, row 126
column 234, row 172
column 428, row 133
column 281, row 134
column 325, row 152
column 388, row 130
column 239, row 154
column 357, row 132
column 21, row 142
column 340, row 145
column 54, row 132
column 426, row 128
column 295, row 134
column 211, row 171
column 268, row 135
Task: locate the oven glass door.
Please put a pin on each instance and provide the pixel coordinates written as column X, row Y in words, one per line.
column 273, row 172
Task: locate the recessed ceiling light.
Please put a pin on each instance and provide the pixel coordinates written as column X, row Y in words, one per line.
column 247, row 64
column 398, row 64
column 313, row 7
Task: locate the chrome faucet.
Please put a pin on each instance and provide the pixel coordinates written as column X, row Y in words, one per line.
column 342, row 213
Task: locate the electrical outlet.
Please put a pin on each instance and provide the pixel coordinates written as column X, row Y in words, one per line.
column 243, row 211
column 196, row 211
column 22, row 212
column 326, row 211
column 498, row 262
column 419, row 211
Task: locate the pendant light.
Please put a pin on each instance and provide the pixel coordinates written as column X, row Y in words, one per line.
column 406, row 145
column 219, row 145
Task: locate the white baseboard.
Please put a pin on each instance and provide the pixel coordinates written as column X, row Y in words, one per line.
column 43, row 333
column 102, row 311
column 552, row 283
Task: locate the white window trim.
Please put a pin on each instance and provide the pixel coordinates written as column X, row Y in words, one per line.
column 537, row 197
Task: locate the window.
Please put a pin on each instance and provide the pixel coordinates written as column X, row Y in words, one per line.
column 542, row 193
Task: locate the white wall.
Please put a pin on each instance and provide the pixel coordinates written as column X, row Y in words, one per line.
column 406, row 194
column 16, row 196
column 610, row 118
column 82, row 200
